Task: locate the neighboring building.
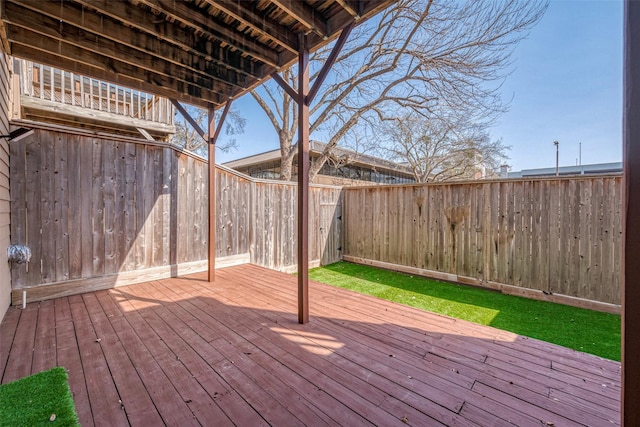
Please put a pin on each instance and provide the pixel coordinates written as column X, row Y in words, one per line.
column 353, row 168
column 594, row 169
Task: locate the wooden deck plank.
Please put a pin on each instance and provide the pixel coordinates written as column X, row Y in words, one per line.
column 511, row 360
column 138, row 404
column 328, row 372
column 19, row 360
column 68, row 356
column 8, row 329
column 357, row 355
column 44, row 349
column 103, row 394
column 183, row 380
column 147, row 349
column 309, row 390
column 231, row 352
column 448, row 417
column 174, row 409
column 443, row 416
column 263, row 373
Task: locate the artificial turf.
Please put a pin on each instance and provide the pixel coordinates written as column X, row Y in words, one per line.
column 43, row 399
column 580, row 329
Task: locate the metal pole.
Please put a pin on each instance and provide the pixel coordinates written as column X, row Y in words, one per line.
column 557, row 144
column 580, row 158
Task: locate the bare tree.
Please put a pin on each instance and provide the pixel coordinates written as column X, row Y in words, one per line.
column 189, row 139
column 442, row 149
column 416, row 54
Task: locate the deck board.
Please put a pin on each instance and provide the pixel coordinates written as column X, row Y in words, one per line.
column 187, row 352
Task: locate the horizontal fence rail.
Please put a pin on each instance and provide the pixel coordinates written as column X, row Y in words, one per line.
column 558, row 236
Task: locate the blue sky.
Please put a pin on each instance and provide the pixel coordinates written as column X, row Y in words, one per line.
column 566, row 85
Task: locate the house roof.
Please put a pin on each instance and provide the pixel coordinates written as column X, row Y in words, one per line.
column 201, row 52
column 317, row 147
column 598, row 168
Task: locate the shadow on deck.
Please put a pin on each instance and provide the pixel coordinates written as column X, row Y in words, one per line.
column 187, row 352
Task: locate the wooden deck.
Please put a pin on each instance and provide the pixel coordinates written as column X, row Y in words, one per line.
column 186, row 352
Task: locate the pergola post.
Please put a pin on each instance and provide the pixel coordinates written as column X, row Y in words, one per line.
column 303, row 97
column 211, row 145
column 303, row 180
column 630, row 415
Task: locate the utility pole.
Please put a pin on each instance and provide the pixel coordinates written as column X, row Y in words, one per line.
column 557, row 144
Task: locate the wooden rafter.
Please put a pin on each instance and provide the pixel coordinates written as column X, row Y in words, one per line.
column 346, row 5
column 305, row 15
column 197, row 51
column 4, row 42
column 245, row 14
column 174, row 37
column 131, row 43
column 213, row 30
column 118, row 53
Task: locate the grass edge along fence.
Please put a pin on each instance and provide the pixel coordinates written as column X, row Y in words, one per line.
column 580, row 329
column 549, row 238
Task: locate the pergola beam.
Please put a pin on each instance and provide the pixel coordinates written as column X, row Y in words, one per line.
column 630, row 415
column 223, row 117
column 69, row 52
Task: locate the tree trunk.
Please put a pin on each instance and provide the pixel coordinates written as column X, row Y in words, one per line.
column 287, row 152
column 316, row 165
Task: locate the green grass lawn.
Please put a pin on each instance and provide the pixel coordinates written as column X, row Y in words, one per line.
column 43, row 399
column 584, row 330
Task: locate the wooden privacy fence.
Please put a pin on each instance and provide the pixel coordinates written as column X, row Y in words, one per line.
column 558, row 236
column 99, row 212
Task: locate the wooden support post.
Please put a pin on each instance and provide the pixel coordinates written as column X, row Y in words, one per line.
column 212, row 194
column 303, row 97
column 630, row 415
column 303, row 180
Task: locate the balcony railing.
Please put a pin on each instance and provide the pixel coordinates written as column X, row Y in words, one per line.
column 48, row 86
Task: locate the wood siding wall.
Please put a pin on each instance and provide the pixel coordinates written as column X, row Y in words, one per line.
column 93, row 207
column 5, row 274
column 559, row 236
